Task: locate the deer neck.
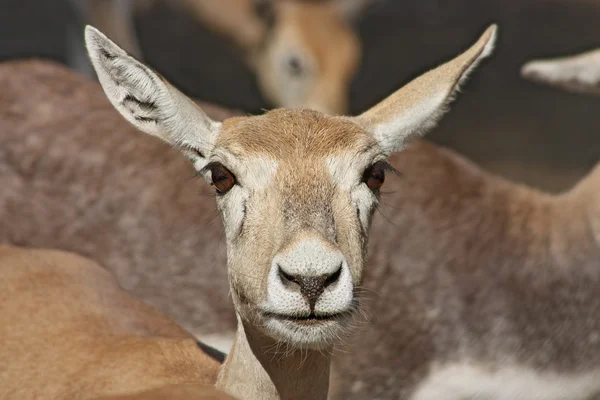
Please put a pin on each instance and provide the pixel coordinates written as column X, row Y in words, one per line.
column 259, row 368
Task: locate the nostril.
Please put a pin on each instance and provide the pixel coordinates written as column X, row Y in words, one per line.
column 285, row 277
column 311, row 287
column 331, row 279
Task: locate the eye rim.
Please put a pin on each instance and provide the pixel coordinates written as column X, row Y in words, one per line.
column 374, row 176
column 225, row 179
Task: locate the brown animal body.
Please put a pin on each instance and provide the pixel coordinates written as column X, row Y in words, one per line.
column 477, row 286
column 107, row 192
column 477, row 282
column 70, row 332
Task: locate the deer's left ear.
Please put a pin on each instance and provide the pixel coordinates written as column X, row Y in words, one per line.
column 417, row 107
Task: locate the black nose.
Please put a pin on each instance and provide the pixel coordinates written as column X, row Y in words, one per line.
column 311, row 287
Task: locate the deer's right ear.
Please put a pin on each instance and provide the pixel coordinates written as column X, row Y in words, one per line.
column 149, row 102
column 416, row 108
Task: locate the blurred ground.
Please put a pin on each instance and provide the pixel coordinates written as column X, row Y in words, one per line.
column 530, row 133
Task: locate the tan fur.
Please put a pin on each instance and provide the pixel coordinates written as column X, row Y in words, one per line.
column 427, row 85
column 175, row 392
column 318, row 34
column 323, row 38
column 234, row 19
column 284, row 134
column 575, row 73
column 69, row 331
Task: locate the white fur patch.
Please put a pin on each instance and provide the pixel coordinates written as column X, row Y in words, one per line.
column 421, row 117
column 310, row 257
column 346, row 171
column 253, row 174
column 469, row 382
column 220, row 341
column 258, row 172
column 583, row 69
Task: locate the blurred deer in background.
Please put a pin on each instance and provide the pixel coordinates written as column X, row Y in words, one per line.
column 304, row 54
column 576, row 73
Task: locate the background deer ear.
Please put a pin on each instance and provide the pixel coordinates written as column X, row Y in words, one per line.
column 351, row 10
column 148, row 101
column 417, row 107
column 576, row 72
column 265, row 11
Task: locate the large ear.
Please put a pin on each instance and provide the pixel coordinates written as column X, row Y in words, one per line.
column 266, row 12
column 417, row 107
column 149, row 102
column 576, row 73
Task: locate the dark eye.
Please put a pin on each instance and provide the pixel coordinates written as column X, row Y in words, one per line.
column 222, row 178
column 295, row 67
column 374, row 176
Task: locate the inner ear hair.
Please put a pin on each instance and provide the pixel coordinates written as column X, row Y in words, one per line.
column 133, row 83
column 148, row 101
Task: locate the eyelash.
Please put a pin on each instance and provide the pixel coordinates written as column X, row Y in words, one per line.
column 212, row 166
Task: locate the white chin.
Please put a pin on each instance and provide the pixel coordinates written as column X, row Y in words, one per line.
column 308, row 335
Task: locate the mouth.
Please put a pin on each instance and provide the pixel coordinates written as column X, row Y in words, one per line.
column 315, row 331
column 311, row 319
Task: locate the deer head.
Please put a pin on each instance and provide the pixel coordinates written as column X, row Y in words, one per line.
column 296, row 188
column 303, row 53
column 308, row 53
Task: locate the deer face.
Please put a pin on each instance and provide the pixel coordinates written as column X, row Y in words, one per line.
column 296, row 188
column 308, row 57
column 301, row 189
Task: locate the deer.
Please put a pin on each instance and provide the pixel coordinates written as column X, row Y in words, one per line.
column 317, row 177
column 475, row 286
column 576, row 72
column 70, row 331
column 292, row 275
column 303, row 53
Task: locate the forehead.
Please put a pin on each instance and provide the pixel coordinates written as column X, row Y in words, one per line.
column 291, row 134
